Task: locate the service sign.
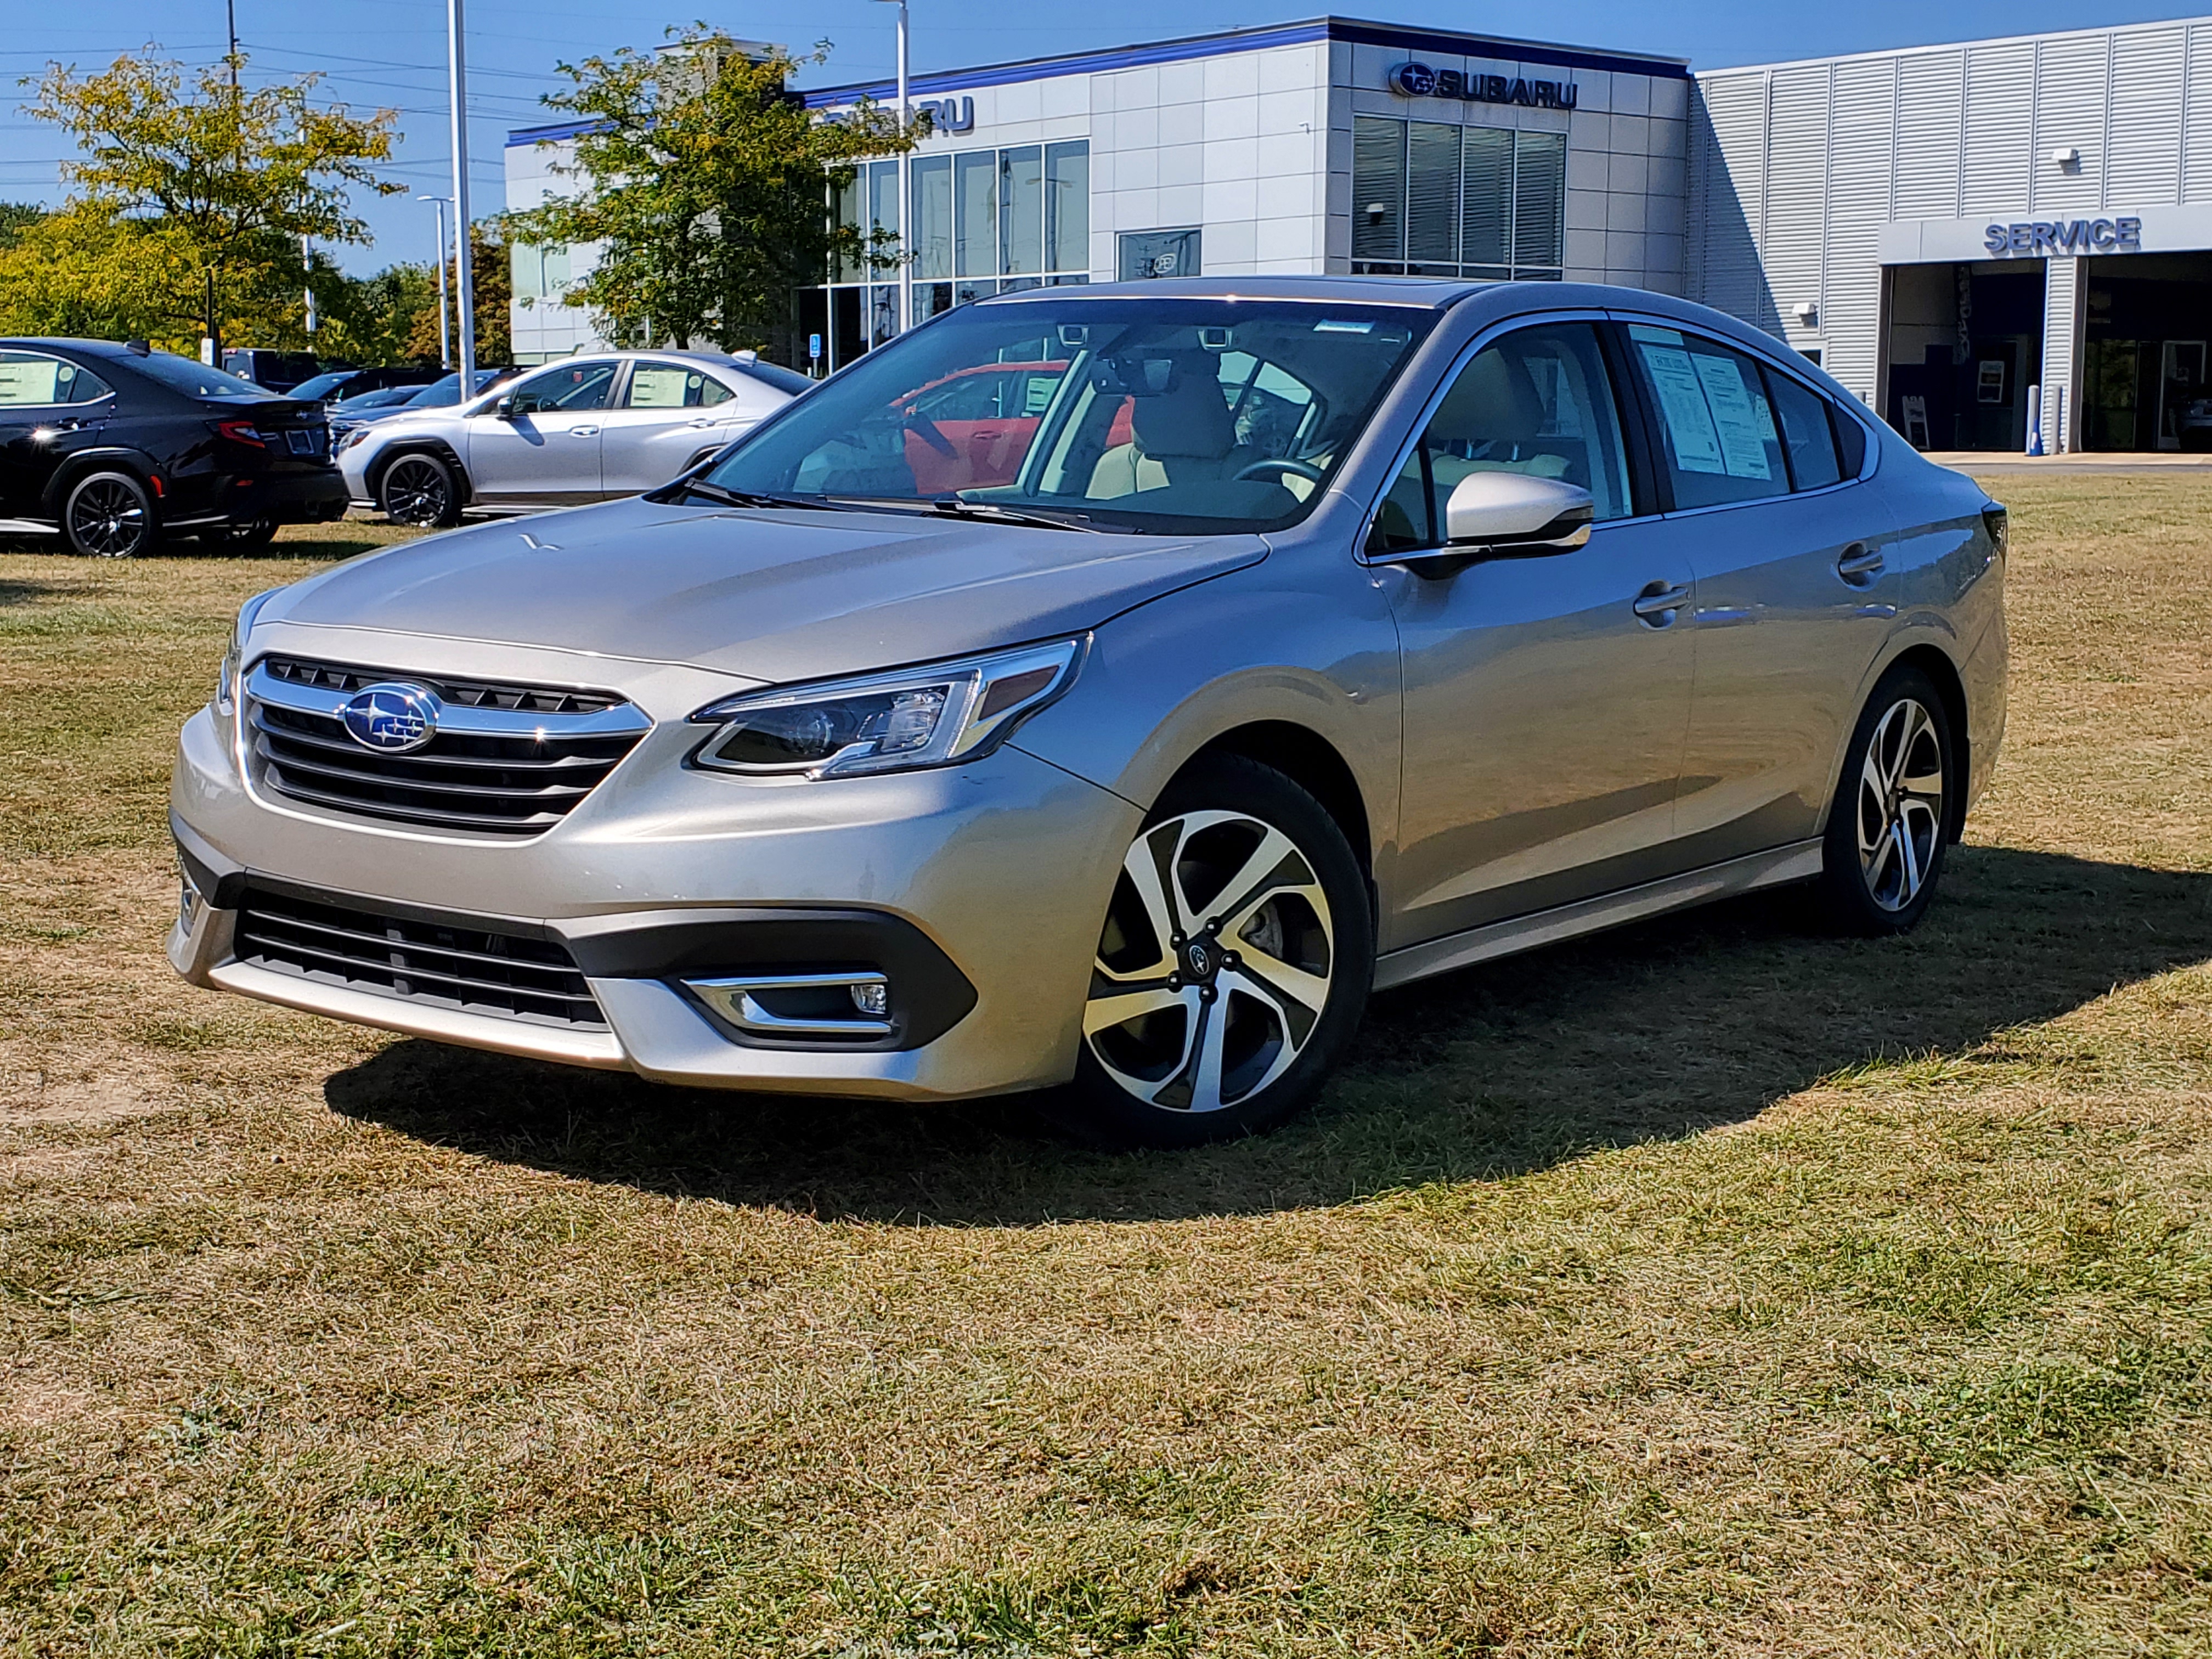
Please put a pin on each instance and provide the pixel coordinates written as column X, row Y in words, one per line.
column 2045, row 238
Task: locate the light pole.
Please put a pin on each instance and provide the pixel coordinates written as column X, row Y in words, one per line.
column 905, row 195
column 444, row 334
column 463, row 284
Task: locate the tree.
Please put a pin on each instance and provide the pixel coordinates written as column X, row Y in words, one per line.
column 489, row 263
column 181, row 181
column 706, row 185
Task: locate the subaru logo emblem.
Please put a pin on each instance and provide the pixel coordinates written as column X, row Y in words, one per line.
column 391, row 717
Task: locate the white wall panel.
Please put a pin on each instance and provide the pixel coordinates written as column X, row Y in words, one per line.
column 1795, row 218
column 1930, row 129
column 2000, row 127
column 2073, row 92
column 1861, row 149
column 2196, row 117
column 2144, row 163
column 1728, row 186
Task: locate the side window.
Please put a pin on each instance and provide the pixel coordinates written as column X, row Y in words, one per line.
column 1804, row 417
column 571, row 388
column 1722, row 445
column 670, row 386
column 1537, row 402
column 29, row 379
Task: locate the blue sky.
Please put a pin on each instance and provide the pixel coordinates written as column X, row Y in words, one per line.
column 380, row 53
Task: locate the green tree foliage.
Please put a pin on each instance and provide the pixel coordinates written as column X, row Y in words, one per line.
column 490, row 264
column 181, row 176
column 707, row 183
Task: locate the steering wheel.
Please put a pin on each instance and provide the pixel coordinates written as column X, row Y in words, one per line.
column 1251, row 469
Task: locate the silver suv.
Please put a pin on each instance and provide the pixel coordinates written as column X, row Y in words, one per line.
column 581, row 429
column 1285, row 639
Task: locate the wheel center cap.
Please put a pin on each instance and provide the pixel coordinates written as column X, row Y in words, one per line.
column 1199, row 959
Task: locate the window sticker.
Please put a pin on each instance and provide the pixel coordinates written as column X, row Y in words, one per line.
column 1682, row 402
column 1736, row 414
column 1645, row 332
column 1337, row 326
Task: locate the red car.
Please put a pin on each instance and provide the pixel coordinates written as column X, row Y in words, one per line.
column 971, row 429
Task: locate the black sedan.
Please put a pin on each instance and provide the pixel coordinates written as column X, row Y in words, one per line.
column 116, row 446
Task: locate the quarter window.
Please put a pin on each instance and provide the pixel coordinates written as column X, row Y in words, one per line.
column 1537, row 402
column 1720, row 442
column 1804, row 417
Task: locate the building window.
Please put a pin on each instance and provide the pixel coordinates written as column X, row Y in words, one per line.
column 985, row 222
column 1432, row 199
column 539, row 273
column 1152, row 253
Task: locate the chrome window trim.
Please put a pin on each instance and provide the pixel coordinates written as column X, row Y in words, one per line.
column 1481, row 341
column 625, row 719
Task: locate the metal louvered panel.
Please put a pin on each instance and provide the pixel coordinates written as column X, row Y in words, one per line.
column 1539, row 198
column 2000, row 128
column 1797, row 219
column 1378, row 188
column 2145, row 163
column 1729, row 174
column 2072, row 94
column 2197, row 118
column 1486, row 205
column 1432, row 193
column 1930, row 117
column 1861, row 151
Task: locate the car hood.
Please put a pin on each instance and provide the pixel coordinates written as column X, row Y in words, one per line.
column 772, row 596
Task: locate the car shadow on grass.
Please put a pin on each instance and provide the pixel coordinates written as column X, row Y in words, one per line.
column 1651, row 1032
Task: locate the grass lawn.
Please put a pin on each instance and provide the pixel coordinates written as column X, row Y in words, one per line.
column 1707, row 1287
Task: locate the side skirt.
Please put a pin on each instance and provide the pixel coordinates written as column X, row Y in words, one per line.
column 1799, row 861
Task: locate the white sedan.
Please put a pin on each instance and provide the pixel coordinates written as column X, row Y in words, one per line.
column 584, row 428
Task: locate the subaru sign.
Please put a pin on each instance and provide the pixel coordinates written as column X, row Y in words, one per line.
column 1412, row 80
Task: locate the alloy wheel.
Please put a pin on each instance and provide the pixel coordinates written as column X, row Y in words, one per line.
column 416, row 491
column 1214, row 965
column 1900, row 805
column 107, row 518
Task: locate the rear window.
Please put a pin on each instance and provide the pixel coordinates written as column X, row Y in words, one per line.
column 782, row 380
column 193, row 380
column 1721, row 444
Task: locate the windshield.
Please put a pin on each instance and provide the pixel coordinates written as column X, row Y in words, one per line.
column 197, row 379
column 322, row 385
column 448, row 391
column 1168, row 415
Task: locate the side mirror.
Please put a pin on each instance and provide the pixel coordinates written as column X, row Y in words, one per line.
column 504, row 409
column 1507, row 515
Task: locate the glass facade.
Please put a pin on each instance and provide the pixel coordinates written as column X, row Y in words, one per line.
column 1430, row 199
column 983, row 221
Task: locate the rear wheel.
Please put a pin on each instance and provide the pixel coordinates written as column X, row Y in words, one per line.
column 1890, row 820
column 109, row 515
column 420, row 490
column 1232, row 967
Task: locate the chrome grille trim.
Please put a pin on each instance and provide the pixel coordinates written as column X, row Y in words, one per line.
column 459, row 963
column 494, row 769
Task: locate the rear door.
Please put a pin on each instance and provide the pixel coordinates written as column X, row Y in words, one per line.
column 50, row 409
column 1796, row 583
column 545, row 451
column 670, row 412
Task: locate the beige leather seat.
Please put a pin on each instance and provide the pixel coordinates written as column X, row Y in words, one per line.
column 1184, row 436
column 1493, row 407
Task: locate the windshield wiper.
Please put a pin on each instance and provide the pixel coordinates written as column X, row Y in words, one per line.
column 954, row 507
column 714, row 492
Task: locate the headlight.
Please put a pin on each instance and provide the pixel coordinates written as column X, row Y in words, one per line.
column 233, row 658
column 930, row 716
column 357, row 435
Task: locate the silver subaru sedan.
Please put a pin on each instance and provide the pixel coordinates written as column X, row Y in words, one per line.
column 1105, row 689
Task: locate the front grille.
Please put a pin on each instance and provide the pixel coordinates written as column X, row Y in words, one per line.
column 457, row 965
column 467, row 694
column 506, row 760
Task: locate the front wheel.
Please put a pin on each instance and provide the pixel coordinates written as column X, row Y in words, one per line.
column 420, row 490
column 1890, row 820
column 109, row 515
column 1232, row 967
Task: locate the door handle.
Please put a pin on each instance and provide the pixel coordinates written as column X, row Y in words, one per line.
column 1659, row 603
column 1859, row 565
column 583, row 432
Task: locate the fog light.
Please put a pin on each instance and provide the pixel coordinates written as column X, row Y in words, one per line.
column 850, row 1007
column 873, row 1000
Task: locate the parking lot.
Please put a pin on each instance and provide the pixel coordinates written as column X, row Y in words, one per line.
column 1707, row 1286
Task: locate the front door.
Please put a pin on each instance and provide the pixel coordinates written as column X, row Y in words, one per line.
column 1545, row 699
column 50, row 409
column 670, row 412
column 1798, row 586
column 545, row 449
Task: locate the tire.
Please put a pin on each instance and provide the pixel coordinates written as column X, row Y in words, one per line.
column 109, row 515
column 1891, row 817
column 420, row 490
column 250, row 536
column 1213, row 1032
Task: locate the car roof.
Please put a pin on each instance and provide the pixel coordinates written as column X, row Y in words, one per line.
column 1416, row 292
column 62, row 342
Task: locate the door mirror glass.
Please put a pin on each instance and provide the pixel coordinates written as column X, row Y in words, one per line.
column 504, row 409
column 1506, row 514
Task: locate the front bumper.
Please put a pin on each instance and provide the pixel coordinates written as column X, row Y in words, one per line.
column 977, row 889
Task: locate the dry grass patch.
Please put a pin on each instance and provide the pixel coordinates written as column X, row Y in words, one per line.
column 1710, row 1286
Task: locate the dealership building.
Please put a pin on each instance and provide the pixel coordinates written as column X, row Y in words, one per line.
column 1946, row 229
